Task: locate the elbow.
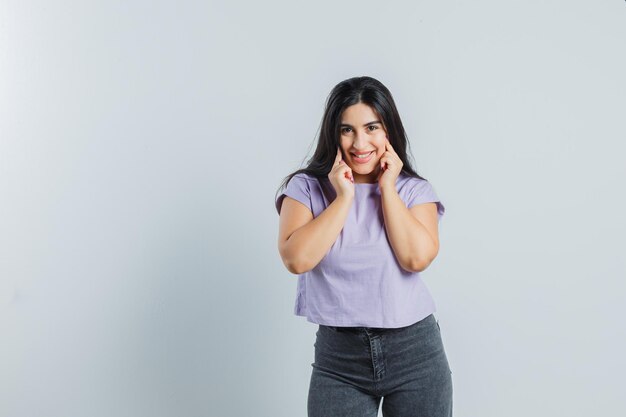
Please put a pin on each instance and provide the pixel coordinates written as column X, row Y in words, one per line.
column 290, row 260
column 293, row 267
column 296, row 265
column 416, row 265
column 297, row 268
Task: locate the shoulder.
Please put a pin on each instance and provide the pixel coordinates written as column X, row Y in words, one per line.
column 407, row 182
column 308, row 178
column 416, row 191
column 303, row 176
column 302, row 187
column 315, row 185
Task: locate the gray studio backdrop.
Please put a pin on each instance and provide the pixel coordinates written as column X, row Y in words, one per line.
column 142, row 143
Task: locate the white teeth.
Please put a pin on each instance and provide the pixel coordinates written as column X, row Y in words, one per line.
column 363, row 156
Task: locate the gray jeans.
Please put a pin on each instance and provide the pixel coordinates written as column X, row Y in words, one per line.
column 357, row 367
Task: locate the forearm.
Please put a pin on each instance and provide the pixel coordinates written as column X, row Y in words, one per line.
column 309, row 244
column 413, row 246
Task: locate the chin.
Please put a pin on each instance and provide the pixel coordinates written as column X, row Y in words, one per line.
column 362, row 170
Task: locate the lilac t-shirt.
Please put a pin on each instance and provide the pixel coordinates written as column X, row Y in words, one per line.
column 359, row 282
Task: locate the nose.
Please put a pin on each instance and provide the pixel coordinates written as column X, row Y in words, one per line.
column 360, row 141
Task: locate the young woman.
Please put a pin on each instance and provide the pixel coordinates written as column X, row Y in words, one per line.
column 358, row 225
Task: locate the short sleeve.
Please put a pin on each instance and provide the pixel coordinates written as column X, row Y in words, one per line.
column 297, row 188
column 423, row 192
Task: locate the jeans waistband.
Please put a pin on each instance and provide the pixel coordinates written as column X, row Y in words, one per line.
column 377, row 330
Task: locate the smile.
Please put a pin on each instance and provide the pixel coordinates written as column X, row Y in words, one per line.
column 362, row 159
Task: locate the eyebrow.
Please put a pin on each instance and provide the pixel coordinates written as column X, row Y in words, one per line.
column 365, row 125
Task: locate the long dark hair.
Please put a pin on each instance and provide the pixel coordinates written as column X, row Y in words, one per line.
column 355, row 90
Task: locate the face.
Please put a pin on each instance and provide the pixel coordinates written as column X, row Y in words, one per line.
column 362, row 132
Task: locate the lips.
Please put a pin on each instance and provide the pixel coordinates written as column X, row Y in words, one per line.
column 362, row 160
column 361, row 153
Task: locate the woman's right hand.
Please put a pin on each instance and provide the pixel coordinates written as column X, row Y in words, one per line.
column 340, row 177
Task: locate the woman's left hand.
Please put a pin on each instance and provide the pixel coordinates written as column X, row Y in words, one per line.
column 391, row 166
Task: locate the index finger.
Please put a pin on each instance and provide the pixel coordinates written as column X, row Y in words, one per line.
column 388, row 147
column 338, row 157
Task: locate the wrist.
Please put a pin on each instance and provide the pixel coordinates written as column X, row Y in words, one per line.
column 344, row 198
column 388, row 189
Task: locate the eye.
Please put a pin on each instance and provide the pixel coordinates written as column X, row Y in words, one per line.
column 374, row 126
column 344, row 130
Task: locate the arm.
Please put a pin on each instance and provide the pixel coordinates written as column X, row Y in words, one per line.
column 303, row 240
column 412, row 233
